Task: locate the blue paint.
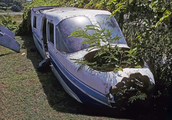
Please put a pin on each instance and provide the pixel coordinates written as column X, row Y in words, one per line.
column 37, row 39
column 77, row 87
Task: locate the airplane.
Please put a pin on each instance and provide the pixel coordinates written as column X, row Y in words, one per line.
column 7, row 39
column 51, row 26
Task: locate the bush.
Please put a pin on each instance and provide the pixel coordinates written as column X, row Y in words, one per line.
column 7, row 21
column 105, row 57
column 16, row 8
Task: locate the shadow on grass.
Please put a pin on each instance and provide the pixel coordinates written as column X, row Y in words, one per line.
column 1, row 55
column 60, row 101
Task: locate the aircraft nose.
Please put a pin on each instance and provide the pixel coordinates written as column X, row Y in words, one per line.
column 135, row 84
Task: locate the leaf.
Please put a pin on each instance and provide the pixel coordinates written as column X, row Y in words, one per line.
column 161, row 19
column 139, row 95
column 120, row 69
column 138, row 66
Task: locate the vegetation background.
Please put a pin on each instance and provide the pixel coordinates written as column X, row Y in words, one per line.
column 12, row 5
column 147, row 25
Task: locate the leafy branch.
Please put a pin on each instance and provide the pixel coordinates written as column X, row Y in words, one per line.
column 106, row 55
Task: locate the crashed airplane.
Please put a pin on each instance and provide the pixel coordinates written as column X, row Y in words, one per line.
column 7, row 39
column 51, row 27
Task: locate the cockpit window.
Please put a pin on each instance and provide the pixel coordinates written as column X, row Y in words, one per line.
column 64, row 29
column 110, row 23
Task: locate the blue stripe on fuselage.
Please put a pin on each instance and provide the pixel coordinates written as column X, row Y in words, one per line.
column 82, row 91
column 37, row 38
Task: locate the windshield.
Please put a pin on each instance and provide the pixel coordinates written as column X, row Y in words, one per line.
column 107, row 22
column 64, row 29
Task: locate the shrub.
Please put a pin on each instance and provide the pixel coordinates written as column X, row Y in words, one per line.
column 106, row 57
column 7, row 21
column 16, row 8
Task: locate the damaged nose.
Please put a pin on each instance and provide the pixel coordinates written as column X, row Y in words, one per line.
column 129, row 87
column 135, row 80
column 141, row 81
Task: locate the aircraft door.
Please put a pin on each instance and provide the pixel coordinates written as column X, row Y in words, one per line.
column 37, row 29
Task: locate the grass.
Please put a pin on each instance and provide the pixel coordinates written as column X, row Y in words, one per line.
column 26, row 93
column 17, row 18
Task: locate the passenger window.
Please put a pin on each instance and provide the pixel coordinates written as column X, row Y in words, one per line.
column 51, row 31
column 34, row 22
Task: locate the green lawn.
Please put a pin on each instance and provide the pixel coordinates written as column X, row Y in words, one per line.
column 28, row 94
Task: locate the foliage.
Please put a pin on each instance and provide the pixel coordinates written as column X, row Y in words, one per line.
column 17, row 7
column 107, row 56
column 14, row 5
column 131, row 89
column 138, row 95
column 146, row 24
column 7, row 21
column 161, row 10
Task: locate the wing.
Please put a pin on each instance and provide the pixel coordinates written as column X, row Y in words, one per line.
column 7, row 39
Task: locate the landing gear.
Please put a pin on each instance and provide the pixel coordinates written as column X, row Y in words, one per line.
column 44, row 66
